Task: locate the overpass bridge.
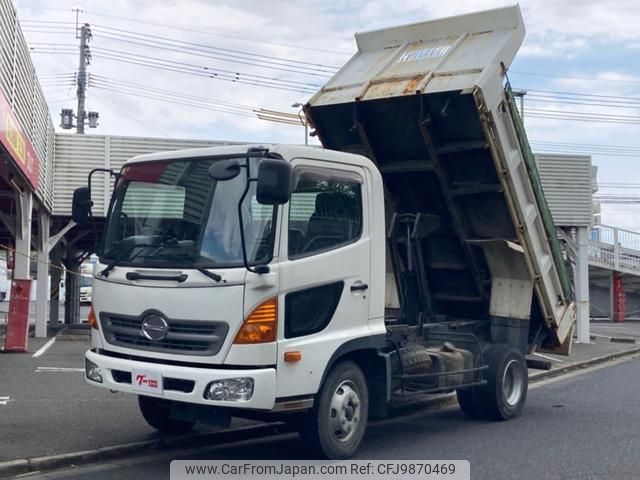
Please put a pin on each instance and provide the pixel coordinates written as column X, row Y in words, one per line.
column 614, row 273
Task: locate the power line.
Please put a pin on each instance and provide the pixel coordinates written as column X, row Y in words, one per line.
column 193, row 68
column 576, row 77
column 220, row 56
column 587, row 149
column 591, row 118
column 109, row 51
column 200, row 71
column 100, row 78
column 171, row 97
column 174, row 101
column 590, row 145
column 122, row 111
column 138, row 90
column 56, row 22
column 206, row 32
column 164, row 39
column 294, row 69
column 203, row 71
column 561, row 93
column 555, row 100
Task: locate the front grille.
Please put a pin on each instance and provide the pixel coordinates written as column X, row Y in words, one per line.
column 185, row 337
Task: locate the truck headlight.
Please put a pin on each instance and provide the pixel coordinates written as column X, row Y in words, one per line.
column 230, row 390
column 92, row 371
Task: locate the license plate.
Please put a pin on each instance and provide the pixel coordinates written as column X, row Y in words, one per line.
column 147, row 381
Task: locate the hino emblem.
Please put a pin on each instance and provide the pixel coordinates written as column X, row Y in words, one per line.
column 154, row 327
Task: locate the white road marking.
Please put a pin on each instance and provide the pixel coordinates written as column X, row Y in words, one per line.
column 4, row 400
column 44, row 348
column 58, row 369
column 549, row 358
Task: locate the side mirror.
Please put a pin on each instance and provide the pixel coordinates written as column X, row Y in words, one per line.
column 224, row 169
column 81, row 205
column 274, row 182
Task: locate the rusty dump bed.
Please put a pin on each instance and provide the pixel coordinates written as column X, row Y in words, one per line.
column 427, row 103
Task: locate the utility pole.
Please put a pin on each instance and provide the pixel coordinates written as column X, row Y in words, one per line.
column 84, row 60
column 83, row 117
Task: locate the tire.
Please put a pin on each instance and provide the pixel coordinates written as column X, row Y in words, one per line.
column 504, row 395
column 337, row 423
column 468, row 402
column 415, row 359
column 156, row 412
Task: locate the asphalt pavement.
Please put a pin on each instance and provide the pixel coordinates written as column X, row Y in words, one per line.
column 577, row 427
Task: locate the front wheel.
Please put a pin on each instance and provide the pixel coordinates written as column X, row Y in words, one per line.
column 157, row 413
column 336, row 425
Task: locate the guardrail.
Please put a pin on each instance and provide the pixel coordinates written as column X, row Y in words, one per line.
column 615, row 249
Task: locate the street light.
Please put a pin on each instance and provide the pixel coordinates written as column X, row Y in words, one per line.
column 303, row 120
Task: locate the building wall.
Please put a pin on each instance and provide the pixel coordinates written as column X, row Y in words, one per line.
column 567, row 184
column 77, row 155
column 20, row 86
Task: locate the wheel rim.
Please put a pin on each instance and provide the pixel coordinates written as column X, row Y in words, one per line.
column 512, row 383
column 344, row 411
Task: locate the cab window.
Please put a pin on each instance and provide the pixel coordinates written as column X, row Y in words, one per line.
column 325, row 211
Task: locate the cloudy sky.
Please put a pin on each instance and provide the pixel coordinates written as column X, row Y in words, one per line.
column 579, row 63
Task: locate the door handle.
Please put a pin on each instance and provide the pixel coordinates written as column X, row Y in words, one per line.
column 359, row 287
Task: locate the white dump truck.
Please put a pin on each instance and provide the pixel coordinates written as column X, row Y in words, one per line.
column 414, row 253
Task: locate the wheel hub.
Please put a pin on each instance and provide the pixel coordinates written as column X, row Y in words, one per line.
column 512, row 383
column 345, row 411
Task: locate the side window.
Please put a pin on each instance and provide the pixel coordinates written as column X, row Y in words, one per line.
column 325, row 211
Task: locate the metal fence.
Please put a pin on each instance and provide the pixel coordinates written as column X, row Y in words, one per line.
column 20, row 86
column 615, row 249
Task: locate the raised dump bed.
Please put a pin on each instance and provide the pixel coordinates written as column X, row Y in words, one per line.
column 427, row 103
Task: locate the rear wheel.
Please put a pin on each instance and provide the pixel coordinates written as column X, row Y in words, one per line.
column 504, row 394
column 336, row 425
column 157, row 413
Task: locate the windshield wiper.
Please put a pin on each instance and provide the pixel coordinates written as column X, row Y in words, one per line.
column 183, row 258
column 122, row 256
column 172, row 241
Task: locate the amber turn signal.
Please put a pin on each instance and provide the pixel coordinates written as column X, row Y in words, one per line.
column 91, row 318
column 292, row 356
column 261, row 325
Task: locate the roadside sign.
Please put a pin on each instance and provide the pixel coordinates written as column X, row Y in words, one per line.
column 18, row 322
column 14, row 139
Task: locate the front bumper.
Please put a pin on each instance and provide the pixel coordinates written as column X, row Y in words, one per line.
column 264, row 392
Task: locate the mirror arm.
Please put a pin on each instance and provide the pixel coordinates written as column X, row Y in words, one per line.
column 111, row 173
column 251, row 152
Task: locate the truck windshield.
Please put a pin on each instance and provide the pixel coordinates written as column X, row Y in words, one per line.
column 172, row 214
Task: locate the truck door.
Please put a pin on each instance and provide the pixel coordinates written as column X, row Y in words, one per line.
column 324, row 270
